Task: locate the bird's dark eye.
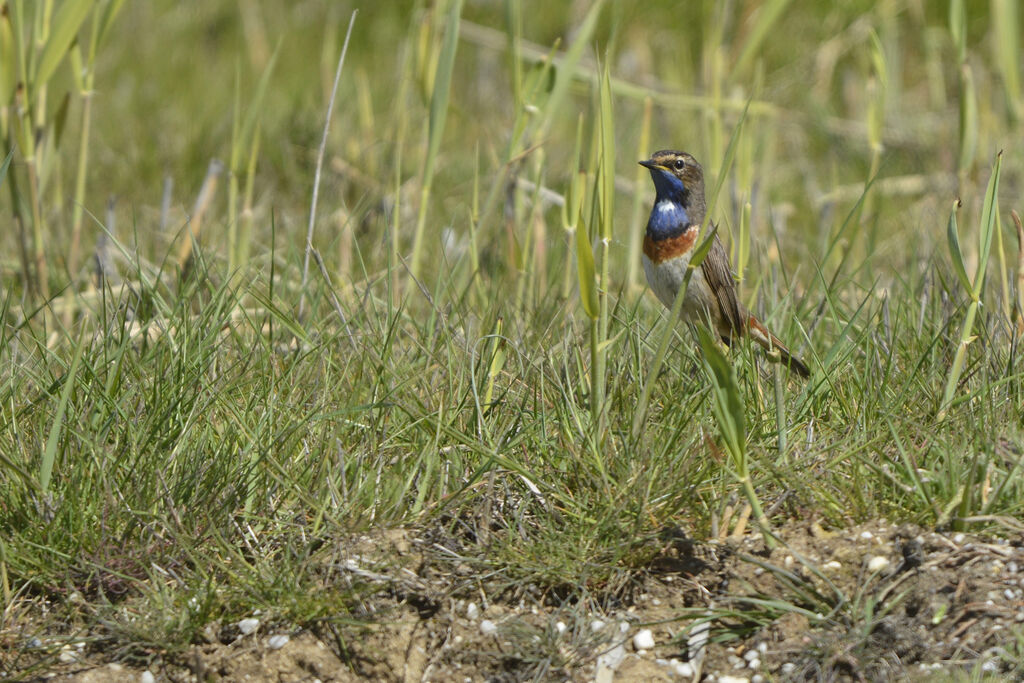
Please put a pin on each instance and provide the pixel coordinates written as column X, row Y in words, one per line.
column 679, row 165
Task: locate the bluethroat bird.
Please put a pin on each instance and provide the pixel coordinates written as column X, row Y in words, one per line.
column 669, row 243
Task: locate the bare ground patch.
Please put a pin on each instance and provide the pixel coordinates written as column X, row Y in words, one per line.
column 874, row 602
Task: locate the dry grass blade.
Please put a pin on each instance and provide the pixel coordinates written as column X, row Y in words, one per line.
column 320, row 162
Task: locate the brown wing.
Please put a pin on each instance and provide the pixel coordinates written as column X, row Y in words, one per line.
column 718, row 274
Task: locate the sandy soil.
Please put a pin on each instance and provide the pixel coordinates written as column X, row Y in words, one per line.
column 875, row 602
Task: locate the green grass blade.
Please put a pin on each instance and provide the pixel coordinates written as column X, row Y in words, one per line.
column 50, row 451
column 68, row 20
column 586, row 273
column 439, row 101
column 955, row 252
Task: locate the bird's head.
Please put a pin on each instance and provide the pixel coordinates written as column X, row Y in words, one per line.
column 676, row 175
column 679, row 182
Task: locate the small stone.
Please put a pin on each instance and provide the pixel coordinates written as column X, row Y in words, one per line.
column 147, row 677
column 757, row 678
column 733, row 679
column 623, row 627
column 608, row 662
column 867, row 535
column 472, row 611
column 560, row 627
column 278, row 641
column 750, row 655
column 788, row 561
column 959, row 539
column 488, row 627
column 832, row 566
column 596, row 625
column 788, row 668
column 762, row 647
column 684, row 669
column 878, row 563
column 247, row 626
column 68, row 655
column 754, row 663
column 644, row 639
column 1011, row 567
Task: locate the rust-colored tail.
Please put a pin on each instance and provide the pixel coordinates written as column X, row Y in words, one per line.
column 771, row 343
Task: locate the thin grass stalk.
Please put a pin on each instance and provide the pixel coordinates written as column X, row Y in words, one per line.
column 572, row 208
column 1006, row 27
column 877, row 91
column 233, row 171
column 1019, row 284
column 974, row 288
column 439, row 100
column 636, row 215
column 320, row 164
column 247, row 216
column 77, row 206
column 606, row 194
column 1004, row 278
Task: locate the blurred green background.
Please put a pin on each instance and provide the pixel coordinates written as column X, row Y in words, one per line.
column 167, row 74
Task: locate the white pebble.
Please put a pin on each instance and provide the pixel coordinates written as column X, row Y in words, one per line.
column 754, row 663
column 959, row 538
column 487, row 627
column 788, row 668
column 832, row 566
column 866, row 535
column 247, row 626
column 608, row 662
column 644, row 639
column 147, row 677
column 733, row 679
column 684, row 669
column 750, row 654
column 757, row 678
column 596, row 625
column 1011, row 567
column 278, row 641
column 878, row 563
column 560, row 627
column 472, row 611
column 788, row 562
column 623, row 627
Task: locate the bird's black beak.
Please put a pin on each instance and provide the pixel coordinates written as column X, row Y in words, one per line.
column 648, row 164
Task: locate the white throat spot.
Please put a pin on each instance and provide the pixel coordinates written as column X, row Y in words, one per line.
column 665, row 206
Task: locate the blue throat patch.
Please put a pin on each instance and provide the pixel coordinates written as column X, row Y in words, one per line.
column 668, row 217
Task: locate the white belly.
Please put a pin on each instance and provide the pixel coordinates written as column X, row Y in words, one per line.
column 667, row 277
